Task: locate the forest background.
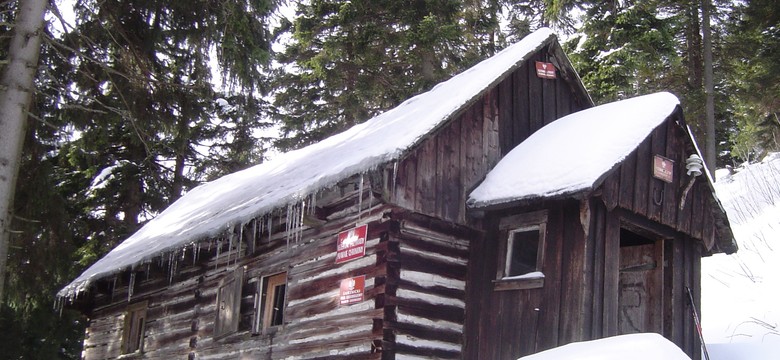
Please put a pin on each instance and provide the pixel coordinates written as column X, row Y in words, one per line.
column 138, row 101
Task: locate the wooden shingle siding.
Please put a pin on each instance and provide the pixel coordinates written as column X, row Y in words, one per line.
column 436, row 177
column 579, row 299
column 632, row 186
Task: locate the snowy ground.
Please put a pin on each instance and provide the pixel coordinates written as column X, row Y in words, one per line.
column 633, row 346
column 741, row 292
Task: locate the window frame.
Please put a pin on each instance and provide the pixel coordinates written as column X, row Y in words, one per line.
column 508, row 227
column 264, row 300
column 132, row 336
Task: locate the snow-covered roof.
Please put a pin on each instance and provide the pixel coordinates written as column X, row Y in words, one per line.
column 572, row 154
column 643, row 346
column 212, row 208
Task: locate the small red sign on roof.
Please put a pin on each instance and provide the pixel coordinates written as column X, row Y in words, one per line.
column 545, row 70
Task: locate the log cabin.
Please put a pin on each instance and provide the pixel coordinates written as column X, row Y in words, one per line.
column 406, row 237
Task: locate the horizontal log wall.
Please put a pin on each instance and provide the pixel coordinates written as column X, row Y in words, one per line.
column 436, row 178
column 426, row 305
column 182, row 307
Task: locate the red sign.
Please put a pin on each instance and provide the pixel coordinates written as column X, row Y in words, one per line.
column 351, row 244
column 545, row 70
column 663, row 168
column 352, row 290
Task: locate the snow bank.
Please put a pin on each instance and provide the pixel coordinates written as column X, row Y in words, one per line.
column 634, row 346
column 740, row 292
column 570, row 154
column 214, row 207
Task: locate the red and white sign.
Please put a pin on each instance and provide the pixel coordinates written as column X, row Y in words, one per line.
column 545, row 70
column 352, row 290
column 663, row 168
column 351, row 244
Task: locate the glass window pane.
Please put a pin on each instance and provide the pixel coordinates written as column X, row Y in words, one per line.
column 523, row 251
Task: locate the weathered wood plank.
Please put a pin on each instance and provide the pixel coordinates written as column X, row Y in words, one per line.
column 627, row 176
column 671, row 193
column 657, row 187
column 490, row 134
column 548, row 331
column 611, row 274
column 643, row 178
column 573, row 271
column 506, row 117
column 426, row 190
column 473, row 169
column 520, row 112
column 535, row 96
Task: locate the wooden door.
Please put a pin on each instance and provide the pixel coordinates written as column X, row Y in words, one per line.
column 640, row 287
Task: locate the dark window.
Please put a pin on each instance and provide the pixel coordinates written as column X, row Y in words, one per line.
column 133, row 334
column 228, row 303
column 523, row 251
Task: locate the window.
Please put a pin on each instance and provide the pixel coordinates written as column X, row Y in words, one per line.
column 271, row 298
column 521, row 251
column 133, row 331
column 228, row 303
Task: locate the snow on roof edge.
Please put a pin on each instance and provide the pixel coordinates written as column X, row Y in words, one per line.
column 438, row 110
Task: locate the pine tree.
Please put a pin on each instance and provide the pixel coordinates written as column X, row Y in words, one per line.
column 753, row 77
column 347, row 61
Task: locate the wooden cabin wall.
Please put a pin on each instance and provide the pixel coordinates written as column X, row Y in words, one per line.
column 181, row 310
column 579, row 299
column 426, row 288
column 634, row 188
column 681, row 268
column 507, row 324
column 436, row 178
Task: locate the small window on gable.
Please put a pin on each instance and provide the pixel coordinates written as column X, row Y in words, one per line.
column 521, row 251
column 133, row 331
column 271, row 300
column 229, row 303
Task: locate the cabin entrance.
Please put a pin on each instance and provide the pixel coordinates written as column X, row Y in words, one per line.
column 640, row 286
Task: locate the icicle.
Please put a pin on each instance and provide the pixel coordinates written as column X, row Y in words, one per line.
column 113, row 288
column 395, row 176
column 240, row 241
column 148, row 268
column 171, row 267
column 219, row 247
column 254, row 233
column 130, row 286
column 230, row 245
column 300, row 221
column 360, row 198
column 194, row 253
column 270, row 227
column 288, row 224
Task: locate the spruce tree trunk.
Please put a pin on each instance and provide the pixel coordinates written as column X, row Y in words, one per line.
column 710, row 152
column 16, row 90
